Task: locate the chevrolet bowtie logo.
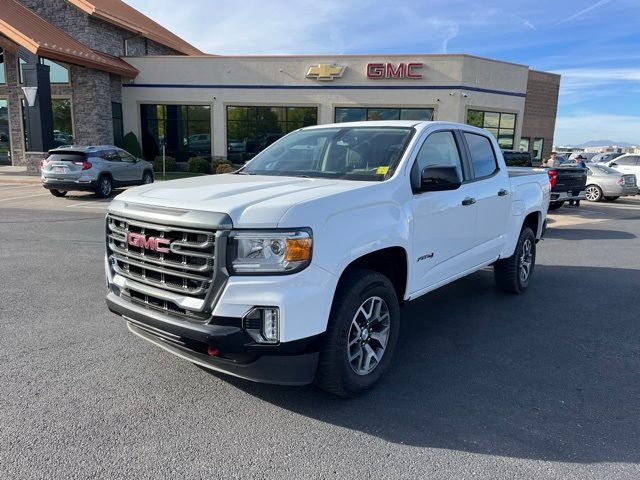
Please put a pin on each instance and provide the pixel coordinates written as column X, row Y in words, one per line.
column 325, row 71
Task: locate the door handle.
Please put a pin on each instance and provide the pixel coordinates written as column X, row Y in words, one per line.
column 468, row 201
column 503, row 192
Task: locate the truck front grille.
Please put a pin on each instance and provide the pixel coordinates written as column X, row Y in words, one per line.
column 165, row 275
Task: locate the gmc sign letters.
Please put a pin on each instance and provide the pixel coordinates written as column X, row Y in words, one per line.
column 388, row 70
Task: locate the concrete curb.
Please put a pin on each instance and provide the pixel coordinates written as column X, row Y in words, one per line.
column 20, row 179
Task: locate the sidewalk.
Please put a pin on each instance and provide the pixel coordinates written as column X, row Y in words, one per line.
column 9, row 174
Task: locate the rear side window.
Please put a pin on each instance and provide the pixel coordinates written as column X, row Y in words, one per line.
column 110, row 155
column 625, row 160
column 483, row 158
column 439, row 150
column 516, row 159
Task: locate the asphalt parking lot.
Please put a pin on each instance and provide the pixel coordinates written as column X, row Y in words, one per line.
column 484, row 385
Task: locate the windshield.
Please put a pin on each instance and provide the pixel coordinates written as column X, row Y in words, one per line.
column 350, row 153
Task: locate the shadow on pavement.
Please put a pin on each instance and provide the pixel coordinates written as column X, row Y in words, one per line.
column 576, row 234
column 552, row 374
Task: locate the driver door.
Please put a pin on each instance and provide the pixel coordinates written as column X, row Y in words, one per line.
column 444, row 223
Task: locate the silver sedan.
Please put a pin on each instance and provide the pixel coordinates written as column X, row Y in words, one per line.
column 605, row 182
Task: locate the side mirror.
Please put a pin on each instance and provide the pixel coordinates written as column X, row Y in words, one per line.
column 437, row 179
column 613, row 164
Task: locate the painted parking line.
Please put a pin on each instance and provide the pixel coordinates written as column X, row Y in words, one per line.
column 25, row 196
column 13, row 186
column 96, row 204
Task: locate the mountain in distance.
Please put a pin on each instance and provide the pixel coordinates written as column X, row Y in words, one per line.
column 604, row 143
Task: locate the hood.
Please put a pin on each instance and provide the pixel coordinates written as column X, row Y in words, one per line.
column 252, row 201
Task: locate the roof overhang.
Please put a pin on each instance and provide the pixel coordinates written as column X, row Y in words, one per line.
column 21, row 27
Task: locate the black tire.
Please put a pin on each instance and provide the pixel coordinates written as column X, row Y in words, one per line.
column 147, row 178
column 58, row 193
column 611, row 199
column 594, row 193
column 555, row 205
column 105, row 187
column 336, row 372
column 508, row 272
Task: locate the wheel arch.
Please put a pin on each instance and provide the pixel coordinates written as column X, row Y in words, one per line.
column 390, row 262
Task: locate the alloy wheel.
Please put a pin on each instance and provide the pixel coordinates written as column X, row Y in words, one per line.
column 105, row 187
column 593, row 193
column 368, row 335
column 526, row 260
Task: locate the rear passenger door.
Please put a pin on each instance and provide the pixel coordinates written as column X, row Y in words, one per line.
column 114, row 165
column 444, row 223
column 493, row 193
column 627, row 164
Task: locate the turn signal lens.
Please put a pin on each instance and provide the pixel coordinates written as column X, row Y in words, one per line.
column 298, row 249
column 620, row 181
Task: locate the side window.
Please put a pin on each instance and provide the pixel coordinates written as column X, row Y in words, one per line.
column 110, row 155
column 483, row 158
column 126, row 157
column 625, row 160
column 438, row 150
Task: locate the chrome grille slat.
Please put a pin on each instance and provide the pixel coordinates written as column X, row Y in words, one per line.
column 188, row 268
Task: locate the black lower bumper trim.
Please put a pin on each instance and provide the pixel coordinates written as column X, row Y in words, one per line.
column 70, row 186
column 275, row 369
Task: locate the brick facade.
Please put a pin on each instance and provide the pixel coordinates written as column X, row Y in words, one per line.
column 540, row 108
column 91, row 91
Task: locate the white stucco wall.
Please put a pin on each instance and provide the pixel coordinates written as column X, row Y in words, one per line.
column 219, row 82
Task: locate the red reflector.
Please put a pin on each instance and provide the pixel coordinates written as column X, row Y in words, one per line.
column 213, row 352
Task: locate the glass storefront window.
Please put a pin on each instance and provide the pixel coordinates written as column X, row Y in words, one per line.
column 58, row 73
column 359, row 114
column 62, row 121
column 118, row 127
column 538, row 144
column 185, row 131
column 524, row 144
column 252, row 129
column 3, row 74
column 501, row 125
column 5, row 146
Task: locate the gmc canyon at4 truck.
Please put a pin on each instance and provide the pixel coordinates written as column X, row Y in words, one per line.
column 293, row 269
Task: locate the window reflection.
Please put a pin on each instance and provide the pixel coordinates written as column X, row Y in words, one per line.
column 251, row 129
column 58, row 73
column 5, row 146
column 360, row 114
column 501, row 125
column 185, row 131
column 3, row 75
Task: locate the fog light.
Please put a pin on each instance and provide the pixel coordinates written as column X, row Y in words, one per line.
column 263, row 324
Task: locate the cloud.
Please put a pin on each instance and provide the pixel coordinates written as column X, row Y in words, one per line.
column 587, row 125
column 582, row 12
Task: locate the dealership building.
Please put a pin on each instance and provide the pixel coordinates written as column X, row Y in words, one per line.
column 88, row 72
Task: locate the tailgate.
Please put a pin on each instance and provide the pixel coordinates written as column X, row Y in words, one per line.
column 570, row 178
column 64, row 166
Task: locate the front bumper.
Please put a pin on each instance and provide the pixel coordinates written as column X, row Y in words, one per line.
column 571, row 195
column 289, row 363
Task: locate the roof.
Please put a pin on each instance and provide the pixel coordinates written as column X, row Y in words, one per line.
column 25, row 28
column 122, row 15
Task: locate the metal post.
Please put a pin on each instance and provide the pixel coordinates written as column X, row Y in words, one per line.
column 164, row 163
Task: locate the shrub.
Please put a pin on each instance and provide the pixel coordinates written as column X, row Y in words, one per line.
column 130, row 144
column 225, row 168
column 170, row 164
column 198, row 165
column 215, row 163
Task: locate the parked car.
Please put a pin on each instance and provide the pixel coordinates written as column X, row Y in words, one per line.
column 95, row 168
column 292, row 270
column 605, row 182
column 514, row 158
column 627, row 163
column 567, row 183
column 586, row 155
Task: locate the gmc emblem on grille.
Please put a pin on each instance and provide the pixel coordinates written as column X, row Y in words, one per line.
column 149, row 243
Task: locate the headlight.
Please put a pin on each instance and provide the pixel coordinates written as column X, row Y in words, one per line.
column 269, row 252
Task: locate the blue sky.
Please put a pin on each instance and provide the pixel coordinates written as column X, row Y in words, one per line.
column 594, row 44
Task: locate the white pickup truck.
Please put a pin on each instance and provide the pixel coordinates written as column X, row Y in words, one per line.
column 293, row 269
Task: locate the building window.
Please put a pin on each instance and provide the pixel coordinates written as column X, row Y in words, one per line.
column 252, row 129
column 62, row 121
column 5, row 146
column 3, row 74
column 360, row 114
column 524, row 144
column 184, row 130
column 538, row 144
column 118, row 127
column 58, row 73
column 501, row 125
